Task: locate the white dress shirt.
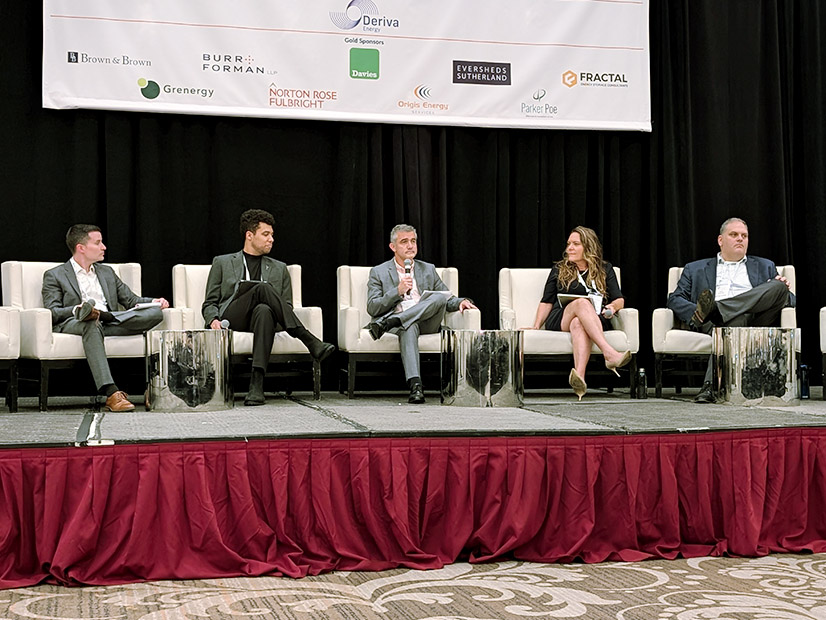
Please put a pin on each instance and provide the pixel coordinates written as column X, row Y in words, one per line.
column 732, row 278
column 411, row 297
column 90, row 288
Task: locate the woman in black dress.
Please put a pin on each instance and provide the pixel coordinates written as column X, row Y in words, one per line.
column 583, row 272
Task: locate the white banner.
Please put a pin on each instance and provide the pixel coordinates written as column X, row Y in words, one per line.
column 569, row 64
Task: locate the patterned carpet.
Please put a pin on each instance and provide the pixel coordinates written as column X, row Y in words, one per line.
column 787, row 587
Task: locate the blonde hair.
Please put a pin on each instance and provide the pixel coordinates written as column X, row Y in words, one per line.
column 592, row 254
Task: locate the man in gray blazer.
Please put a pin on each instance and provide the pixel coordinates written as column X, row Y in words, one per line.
column 83, row 296
column 253, row 292
column 729, row 290
column 402, row 298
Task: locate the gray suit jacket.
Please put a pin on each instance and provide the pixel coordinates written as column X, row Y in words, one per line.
column 226, row 273
column 702, row 274
column 61, row 292
column 383, row 287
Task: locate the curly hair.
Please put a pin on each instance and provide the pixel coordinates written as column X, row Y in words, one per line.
column 593, row 257
column 251, row 218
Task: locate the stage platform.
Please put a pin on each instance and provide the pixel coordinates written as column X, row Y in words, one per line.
column 299, row 487
column 71, row 421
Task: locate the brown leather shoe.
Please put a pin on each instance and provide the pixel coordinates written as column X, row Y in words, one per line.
column 119, row 402
column 87, row 312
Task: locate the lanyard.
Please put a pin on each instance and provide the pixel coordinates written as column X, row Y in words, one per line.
column 593, row 292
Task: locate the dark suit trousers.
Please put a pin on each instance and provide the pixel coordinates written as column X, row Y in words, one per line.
column 261, row 311
column 93, row 333
column 758, row 307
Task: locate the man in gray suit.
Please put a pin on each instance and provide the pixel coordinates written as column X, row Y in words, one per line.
column 83, row 297
column 253, row 292
column 402, row 299
column 729, row 290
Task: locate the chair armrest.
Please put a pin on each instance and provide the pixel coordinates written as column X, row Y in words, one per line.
column 311, row 318
column 35, row 332
column 823, row 330
column 348, row 328
column 469, row 319
column 507, row 315
column 10, row 325
column 172, row 319
column 628, row 320
column 788, row 317
column 662, row 320
column 190, row 319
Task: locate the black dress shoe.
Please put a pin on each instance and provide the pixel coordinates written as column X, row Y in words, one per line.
column 377, row 328
column 416, row 395
column 706, row 395
column 255, row 395
column 705, row 306
column 320, row 351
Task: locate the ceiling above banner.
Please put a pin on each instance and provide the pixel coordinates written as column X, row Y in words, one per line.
column 556, row 64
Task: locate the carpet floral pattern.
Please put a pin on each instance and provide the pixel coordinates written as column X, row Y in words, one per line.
column 787, row 587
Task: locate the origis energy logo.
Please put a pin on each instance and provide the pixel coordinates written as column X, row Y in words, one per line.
column 569, row 79
column 365, row 13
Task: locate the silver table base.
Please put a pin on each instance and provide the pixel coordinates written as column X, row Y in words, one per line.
column 755, row 365
column 482, row 368
column 189, row 370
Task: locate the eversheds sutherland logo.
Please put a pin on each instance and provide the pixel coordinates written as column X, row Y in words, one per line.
column 364, row 13
column 480, row 72
column 151, row 90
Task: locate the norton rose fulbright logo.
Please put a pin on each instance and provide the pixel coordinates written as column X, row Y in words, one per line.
column 300, row 97
column 364, row 13
column 608, row 80
column 423, row 106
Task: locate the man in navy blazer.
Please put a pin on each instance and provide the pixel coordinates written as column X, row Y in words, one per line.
column 401, row 298
column 83, row 296
column 731, row 290
column 253, row 292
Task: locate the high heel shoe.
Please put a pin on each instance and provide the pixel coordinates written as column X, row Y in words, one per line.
column 626, row 357
column 577, row 383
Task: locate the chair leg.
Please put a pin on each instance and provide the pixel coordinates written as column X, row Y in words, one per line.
column 44, row 386
column 351, row 375
column 823, row 378
column 633, row 379
column 316, row 380
column 11, row 391
column 658, row 375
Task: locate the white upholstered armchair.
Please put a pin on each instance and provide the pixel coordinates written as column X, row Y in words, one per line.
column 189, row 290
column 22, row 286
column 672, row 344
column 520, row 291
column 10, row 351
column 352, row 318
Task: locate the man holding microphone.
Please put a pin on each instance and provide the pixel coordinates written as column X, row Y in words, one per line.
column 407, row 297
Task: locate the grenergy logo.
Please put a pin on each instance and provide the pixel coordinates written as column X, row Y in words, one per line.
column 363, row 12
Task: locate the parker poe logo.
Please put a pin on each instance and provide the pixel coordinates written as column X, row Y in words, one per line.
column 536, row 109
column 569, row 79
column 364, row 13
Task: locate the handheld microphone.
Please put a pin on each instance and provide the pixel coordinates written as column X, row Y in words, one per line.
column 407, row 265
column 224, row 324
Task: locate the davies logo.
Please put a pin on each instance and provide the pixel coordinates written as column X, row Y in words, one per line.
column 585, row 78
column 364, row 63
column 362, row 13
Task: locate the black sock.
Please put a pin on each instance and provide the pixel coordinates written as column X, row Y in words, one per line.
column 392, row 322
column 413, row 381
column 106, row 317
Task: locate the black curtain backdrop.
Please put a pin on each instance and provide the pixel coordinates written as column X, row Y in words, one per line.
column 738, row 117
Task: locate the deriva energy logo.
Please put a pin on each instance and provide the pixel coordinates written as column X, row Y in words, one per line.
column 149, row 89
column 364, row 13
